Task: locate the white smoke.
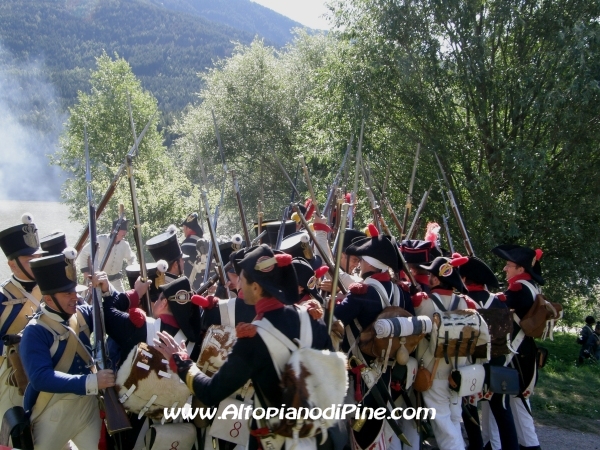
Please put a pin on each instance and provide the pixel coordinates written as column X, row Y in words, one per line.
column 32, row 121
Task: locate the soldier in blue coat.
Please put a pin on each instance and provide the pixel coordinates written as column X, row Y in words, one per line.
column 63, row 382
column 19, row 297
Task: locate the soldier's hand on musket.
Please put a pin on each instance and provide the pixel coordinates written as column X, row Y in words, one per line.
column 100, row 279
column 167, row 345
column 325, row 285
column 106, row 378
column 141, row 287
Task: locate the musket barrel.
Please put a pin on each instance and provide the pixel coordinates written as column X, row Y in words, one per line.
column 336, row 271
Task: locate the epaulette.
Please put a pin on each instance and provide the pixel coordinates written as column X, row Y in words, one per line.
column 358, row 288
column 470, row 303
column 137, row 317
column 418, row 298
column 321, row 227
column 501, row 296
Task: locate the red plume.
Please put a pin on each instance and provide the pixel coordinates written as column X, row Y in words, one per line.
column 433, row 232
column 456, row 262
column 456, row 255
column 538, row 253
column 321, row 271
column 310, row 209
column 373, row 231
column 348, row 197
column 283, row 259
column 200, row 301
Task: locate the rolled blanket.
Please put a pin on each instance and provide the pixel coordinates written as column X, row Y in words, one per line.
column 402, row 326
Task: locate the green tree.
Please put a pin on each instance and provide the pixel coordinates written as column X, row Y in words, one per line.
column 258, row 96
column 164, row 194
column 507, row 93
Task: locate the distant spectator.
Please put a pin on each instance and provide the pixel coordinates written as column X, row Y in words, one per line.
column 583, row 337
column 592, row 347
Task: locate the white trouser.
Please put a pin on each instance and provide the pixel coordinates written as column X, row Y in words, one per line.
column 446, row 425
column 9, row 395
column 489, row 427
column 68, row 417
column 118, row 285
column 523, row 423
column 409, row 427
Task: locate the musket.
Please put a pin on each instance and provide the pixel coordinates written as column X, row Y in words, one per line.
column 137, row 227
column 116, row 417
column 219, row 142
column 324, row 256
column 260, row 217
column 409, row 198
column 454, row 206
column 357, row 165
column 309, row 185
column 445, row 217
column 112, row 186
column 286, row 209
column 220, row 271
column 336, row 269
column 329, row 203
column 393, row 215
column 212, row 280
column 238, row 197
column 111, row 243
column 377, row 215
column 294, row 188
column 413, row 225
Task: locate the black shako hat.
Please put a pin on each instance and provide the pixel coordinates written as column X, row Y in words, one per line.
column 446, row 269
column 349, row 236
column 308, row 277
column 479, row 272
column 525, row 257
column 298, row 245
column 191, row 221
column 378, row 250
column 20, row 240
column 124, row 225
column 416, row 251
column 273, row 271
column 187, row 314
column 165, row 246
column 272, row 227
column 56, row 273
column 226, row 249
column 54, row 243
column 154, row 271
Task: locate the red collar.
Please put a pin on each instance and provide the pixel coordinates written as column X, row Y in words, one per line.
column 265, row 305
column 512, row 283
column 306, row 297
column 169, row 320
column 475, row 287
column 422, row 279
column 381, row 276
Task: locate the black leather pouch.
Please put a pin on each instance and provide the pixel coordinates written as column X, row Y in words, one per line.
column 502, row 380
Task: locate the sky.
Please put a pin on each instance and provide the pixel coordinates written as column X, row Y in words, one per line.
column 307, row 12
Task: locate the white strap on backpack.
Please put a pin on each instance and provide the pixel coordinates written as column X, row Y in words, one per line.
column 279, row 345
column 393, row 299
column 227, row 312
column 489, row 301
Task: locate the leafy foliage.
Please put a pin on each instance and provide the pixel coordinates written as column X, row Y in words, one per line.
column 163, row 195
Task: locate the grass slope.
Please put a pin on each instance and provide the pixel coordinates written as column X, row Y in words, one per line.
column 566, row 395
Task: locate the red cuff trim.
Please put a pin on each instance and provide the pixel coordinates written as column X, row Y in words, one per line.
column 134, row 298
column 137, row 317
column 321, row 227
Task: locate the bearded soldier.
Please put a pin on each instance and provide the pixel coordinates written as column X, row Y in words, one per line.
column 19, row 298
column 524, row 274
column 63, row 383
column 121, row 251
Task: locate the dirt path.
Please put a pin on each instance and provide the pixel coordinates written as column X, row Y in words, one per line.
column 555, row 438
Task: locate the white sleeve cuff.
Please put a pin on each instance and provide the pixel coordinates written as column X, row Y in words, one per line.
column 91, row 384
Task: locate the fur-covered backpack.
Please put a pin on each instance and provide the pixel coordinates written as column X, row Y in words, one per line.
column 310, row 378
